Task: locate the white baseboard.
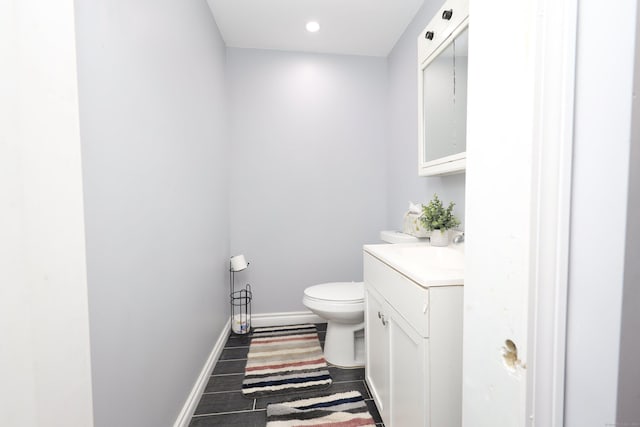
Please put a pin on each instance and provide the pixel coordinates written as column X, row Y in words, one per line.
column 184, row 418
column 257, row 320
column 287, row 318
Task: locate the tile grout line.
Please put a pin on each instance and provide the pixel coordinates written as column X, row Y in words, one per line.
column 226, row 375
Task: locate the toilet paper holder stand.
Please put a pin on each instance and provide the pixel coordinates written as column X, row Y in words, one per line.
column 240, row 301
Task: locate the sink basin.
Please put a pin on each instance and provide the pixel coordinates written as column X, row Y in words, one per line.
column 424, row 264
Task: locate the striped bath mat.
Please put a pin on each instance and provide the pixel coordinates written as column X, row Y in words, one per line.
column 337, row 410
column 284, row 358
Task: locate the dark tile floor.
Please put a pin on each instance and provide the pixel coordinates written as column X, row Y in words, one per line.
column 222, row 403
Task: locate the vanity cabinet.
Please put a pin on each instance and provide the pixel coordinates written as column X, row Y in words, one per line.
column 377, row 362
column 413, row 338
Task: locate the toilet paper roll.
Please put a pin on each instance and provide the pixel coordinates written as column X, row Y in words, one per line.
column 238, row 263
column 240, row 324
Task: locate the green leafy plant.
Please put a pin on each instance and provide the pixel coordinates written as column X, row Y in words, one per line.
column 436, row 217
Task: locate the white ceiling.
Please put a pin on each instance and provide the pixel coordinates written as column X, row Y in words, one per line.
column 354, row 27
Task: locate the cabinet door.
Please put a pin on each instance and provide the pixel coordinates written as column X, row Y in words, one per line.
column 377, row 349
column 409, row 382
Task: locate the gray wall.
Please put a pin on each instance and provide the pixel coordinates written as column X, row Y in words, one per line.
column 155, row 151
column 404, row 184
column 308, row 184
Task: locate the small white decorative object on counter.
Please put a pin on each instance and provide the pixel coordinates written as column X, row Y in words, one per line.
column 440, row 237
column 411, row 223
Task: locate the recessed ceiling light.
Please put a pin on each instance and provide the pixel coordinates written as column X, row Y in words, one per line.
column 313, row 26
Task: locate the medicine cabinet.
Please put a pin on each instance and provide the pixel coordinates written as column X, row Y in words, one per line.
column 442, row 90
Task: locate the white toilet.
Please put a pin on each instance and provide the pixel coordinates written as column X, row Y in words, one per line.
column 342, row 305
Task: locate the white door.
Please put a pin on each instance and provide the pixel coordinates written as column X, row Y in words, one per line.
column 520, row 112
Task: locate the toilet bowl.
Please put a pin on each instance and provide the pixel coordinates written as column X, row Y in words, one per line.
column 341, row 304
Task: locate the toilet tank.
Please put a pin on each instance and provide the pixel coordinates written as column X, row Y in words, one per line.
column 391, row 236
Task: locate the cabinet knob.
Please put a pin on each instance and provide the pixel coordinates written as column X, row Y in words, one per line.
column 381, row 317
column 429, row 35
column 447, row 14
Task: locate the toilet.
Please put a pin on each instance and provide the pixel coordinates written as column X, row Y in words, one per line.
column 341, row 304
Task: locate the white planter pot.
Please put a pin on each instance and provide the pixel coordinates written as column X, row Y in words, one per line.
column 440, row 237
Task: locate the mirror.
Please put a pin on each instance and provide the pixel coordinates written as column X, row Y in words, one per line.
column 443, row 101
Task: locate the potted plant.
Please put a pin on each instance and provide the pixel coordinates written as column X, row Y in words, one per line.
column 439, row 221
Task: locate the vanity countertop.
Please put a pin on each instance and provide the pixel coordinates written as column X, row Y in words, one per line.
column 424, row 264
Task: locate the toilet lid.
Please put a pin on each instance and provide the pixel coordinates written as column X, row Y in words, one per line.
column 337, row 291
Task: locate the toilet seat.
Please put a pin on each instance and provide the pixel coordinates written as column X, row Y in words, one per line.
column 336, row 292
column 341, row 304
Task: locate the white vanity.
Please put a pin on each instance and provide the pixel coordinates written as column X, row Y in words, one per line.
column 413, row 333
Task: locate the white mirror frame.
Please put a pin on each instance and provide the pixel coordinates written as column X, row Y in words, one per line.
column 428, row 50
